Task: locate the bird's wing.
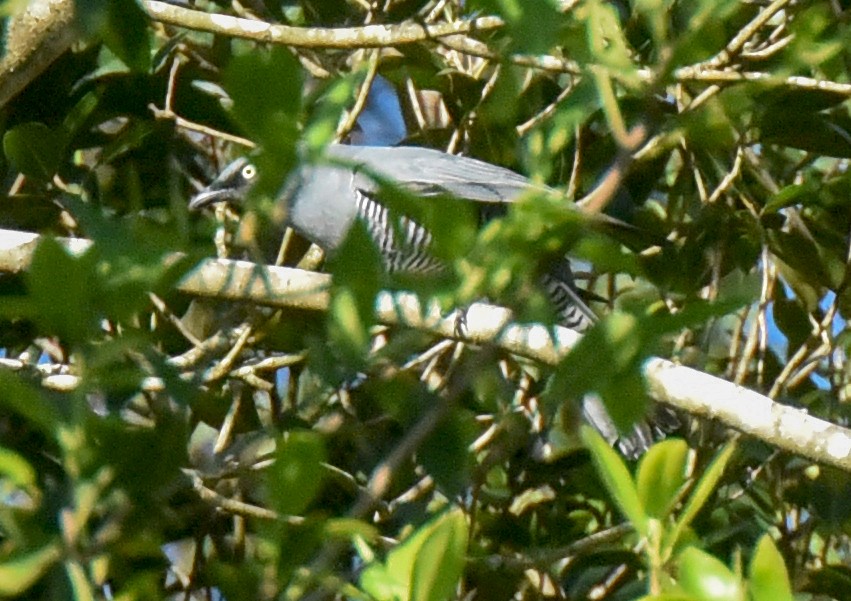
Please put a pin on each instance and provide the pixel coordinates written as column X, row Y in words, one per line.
column 429, row 172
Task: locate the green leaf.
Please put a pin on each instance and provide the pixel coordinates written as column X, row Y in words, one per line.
column 123, row 27
column 800, row 100
column 62, row 289
column 806, row 257
column 162, row 451
column 426, row 566
column 357, row 269
column 297, row 474
column 702, row 491
column 792, row 319
column 384, row 584
column 266, row 88
column 817, row 133
column 701, row 28
column 445, row 454
column 606, row 42
column 830, row 492
column 17, row 470
column 608, row 360
column 655, row 14
column 339, row 94
column 349, row 528
column 549, row 139
column 80, row 114
column 616, row 478
column 439, row 562
column 19, row 573
column 831, row 581
column 533, row 24
column 661, row 474
column 706, row 578
column 815, row 39
column 769, row 579
column 34, row 149
column 30, row 403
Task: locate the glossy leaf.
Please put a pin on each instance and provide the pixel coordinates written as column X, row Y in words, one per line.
column 661, row 475
column 768, row 577
column 440, row 560
column 426, row 566
column 706, row 578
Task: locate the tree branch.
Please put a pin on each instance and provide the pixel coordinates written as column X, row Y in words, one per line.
column 34, row 38
column 368, row 36
column 715, row 76
column 786, row 428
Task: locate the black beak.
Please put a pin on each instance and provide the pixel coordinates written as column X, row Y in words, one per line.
column 210, row 196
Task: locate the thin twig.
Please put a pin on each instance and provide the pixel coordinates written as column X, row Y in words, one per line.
column 351, row 118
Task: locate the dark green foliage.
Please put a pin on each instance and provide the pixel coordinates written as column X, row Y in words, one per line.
column 154, row 446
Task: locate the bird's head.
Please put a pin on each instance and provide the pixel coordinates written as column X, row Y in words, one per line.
column 231, row 185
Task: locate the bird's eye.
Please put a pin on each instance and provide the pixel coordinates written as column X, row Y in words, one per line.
column 248, row 172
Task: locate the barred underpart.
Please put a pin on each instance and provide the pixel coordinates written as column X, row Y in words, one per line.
column 412, row 254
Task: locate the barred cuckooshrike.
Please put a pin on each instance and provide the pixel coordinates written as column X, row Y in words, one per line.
column 324, row 200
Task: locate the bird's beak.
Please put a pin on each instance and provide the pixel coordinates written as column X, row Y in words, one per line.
column 209, row 196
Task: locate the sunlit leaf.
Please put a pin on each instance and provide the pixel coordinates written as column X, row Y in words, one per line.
column 615, row 476
column 706, row 578
column 426, row 566
column 660, row 476
column 768, row 577
column 702, row 491
column 19, row 573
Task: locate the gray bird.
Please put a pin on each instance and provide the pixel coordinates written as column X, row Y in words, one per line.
column 324, row 200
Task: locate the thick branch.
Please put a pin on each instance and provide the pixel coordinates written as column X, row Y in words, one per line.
column 785, row 428
column 368, row 36
column 34, row 38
